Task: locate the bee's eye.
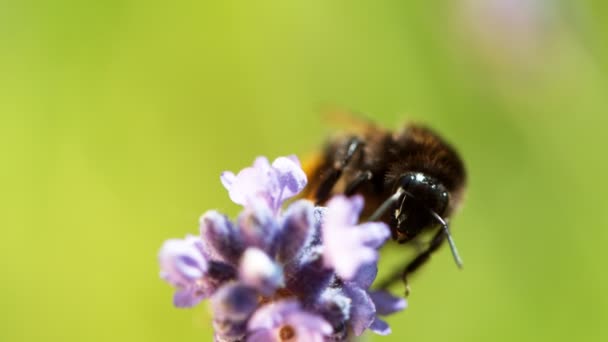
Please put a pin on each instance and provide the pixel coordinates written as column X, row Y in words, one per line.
column 422, row 194
column 405, row 181
column 415, row 180
column 420, row 185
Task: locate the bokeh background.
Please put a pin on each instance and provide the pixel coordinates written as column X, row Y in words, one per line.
column 117, row 118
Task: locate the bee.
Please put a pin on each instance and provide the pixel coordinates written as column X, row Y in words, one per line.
column 411, row 179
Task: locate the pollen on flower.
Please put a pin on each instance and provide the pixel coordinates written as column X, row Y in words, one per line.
column 279, row 274
column 286, row 333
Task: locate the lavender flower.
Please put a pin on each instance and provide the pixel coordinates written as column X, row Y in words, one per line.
column 302, row 273
column 272, row 184
column 285, row 320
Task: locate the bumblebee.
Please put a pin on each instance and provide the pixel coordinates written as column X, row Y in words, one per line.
column 411, row 179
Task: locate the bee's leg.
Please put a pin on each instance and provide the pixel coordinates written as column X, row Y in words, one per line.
column 361, row 178
column 419, row 245
column 413, row 265
column 331, row 177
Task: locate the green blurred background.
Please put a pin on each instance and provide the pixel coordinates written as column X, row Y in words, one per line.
column 118, row 116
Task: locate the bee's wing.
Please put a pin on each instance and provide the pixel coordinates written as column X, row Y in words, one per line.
column 348, row 121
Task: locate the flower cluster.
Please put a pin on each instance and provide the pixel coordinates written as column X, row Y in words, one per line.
column 300, row 273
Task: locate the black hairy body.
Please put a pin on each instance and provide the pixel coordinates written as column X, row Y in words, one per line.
column 418, row 170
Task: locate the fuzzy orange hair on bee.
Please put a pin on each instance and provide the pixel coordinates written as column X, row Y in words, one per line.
column 411, row 179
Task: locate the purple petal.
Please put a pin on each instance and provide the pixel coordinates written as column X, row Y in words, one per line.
column 345, row 211
column 265, row 335
column 386, row 303
column 306, row 276
column 365, row 276
column 268, row 320
column 259, row 228
column 363, row 311
column 347, row 246
column 272, row 315
column 345, row 254
column 271, row 184
column 292, row 178
column 251, row 183
column 234, row 302
column 262, row 164
column 220, row 238
column 189, row 297
column 297, row 230
column 227, row 178
column 376, row 234
column 308, row 321
column 334, row 306
column 380, row 327
column 258, row 271
column 184, row 266
column 182, row 261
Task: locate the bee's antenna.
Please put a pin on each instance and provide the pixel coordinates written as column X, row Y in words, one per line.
column 451, row 242
column 386, row 205
column 395, row 197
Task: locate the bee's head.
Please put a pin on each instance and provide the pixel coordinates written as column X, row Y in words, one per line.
column 419, row 201
column 421, row 195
